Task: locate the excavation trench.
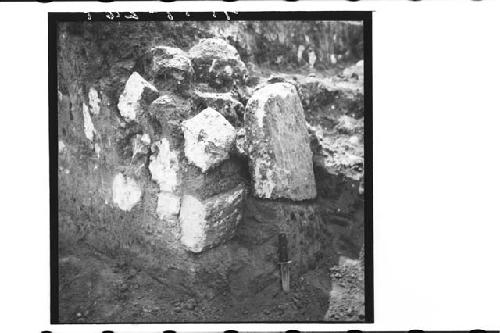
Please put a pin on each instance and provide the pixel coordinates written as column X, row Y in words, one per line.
column 236, row 281
column 129, row 110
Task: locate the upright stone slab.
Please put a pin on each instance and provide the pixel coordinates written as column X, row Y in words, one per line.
column 277, row 143
column 208, row 223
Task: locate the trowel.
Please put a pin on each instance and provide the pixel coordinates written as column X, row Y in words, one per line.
column 284, row 262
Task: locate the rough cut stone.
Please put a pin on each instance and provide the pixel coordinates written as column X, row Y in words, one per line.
column 138, row 93
column 208, row 223
column 213, row 48
column 164, row 118
column 94, row 101
column 168, row 206
column 170, row 58
column 350, row 125
column 62, row 147
column 229, row 174
column 326, row 99
column 208, row 139
column 169, row 107
column 88, row 125
column 217, row 62
column 341, row 151
column 126, row 192
column 164, row 166
column 355, row 71
column 224, row 103
column 240, row 142
column 171, row 65
column 277, row 144
column 140, row 145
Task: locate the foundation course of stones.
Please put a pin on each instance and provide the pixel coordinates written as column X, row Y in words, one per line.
column 179, row 166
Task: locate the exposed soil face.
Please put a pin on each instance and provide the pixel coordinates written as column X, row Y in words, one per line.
column 125, row 172
column 95, row 288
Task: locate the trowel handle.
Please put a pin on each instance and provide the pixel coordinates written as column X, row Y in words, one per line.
column 282, row 248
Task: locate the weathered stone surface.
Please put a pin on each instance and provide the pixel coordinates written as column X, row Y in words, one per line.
column 278, row 144
column 126, row 192
column 356, row 71
column 324, row 100
column 208, row 139
column 61, row 147
column 229, row 174
column 240, row 143
column 224, row 103
column 168, row 206
column 217, row 62
column 140, row 145
column 164, row 166
column 94, row 101
column 207, row 223
column 349, row 125
column 167, row 58
column 138, row 93
column 213, row 48
column 88, row 125
column 165, row 116
column 170, row 66
column 169, row 107
column 341, row 151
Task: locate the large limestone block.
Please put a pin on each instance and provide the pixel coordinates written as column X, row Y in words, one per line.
column 208, row 223
column 138, row 93
column 208, row 139
column 277, row 144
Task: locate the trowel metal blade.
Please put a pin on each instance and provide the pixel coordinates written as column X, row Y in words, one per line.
column 285, row 276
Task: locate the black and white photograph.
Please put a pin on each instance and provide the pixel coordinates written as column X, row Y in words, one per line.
column 211, row 170
column 250, row 166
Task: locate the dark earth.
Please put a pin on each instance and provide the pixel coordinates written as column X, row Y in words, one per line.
column 94, row 288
